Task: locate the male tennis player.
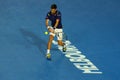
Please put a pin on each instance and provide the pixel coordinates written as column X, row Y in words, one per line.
column 55, row 28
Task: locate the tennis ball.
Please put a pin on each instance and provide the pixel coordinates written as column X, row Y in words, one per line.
column 46, row 33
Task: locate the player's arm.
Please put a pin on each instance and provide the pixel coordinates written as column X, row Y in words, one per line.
column 49, row 27
column 47, row 23
column 57, row 22
column 47, row 20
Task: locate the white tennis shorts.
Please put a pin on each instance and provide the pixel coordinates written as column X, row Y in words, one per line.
column 58, row 33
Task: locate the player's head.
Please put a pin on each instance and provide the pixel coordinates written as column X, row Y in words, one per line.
column 53, row 8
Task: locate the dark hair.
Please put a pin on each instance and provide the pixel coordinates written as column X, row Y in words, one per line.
column 53, row 6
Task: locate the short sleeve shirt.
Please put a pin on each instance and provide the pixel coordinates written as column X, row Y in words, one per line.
column 54, row 17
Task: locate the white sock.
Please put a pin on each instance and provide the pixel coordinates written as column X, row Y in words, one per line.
column 48, row 51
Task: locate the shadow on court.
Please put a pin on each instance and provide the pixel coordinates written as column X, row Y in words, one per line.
column 31, row 38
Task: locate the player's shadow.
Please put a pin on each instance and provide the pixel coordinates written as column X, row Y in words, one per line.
column 34, row 40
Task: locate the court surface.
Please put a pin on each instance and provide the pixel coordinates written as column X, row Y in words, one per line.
column 92, row 27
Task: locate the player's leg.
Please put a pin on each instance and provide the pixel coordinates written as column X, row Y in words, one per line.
column 51, row 37
column 61, row 43
column 60, row 37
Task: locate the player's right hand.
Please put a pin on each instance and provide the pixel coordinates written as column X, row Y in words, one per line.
column 51, row 29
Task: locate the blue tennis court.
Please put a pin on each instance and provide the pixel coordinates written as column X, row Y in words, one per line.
column 93, row 30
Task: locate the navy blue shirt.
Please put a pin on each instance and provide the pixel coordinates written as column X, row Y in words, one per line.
column 53, row 17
